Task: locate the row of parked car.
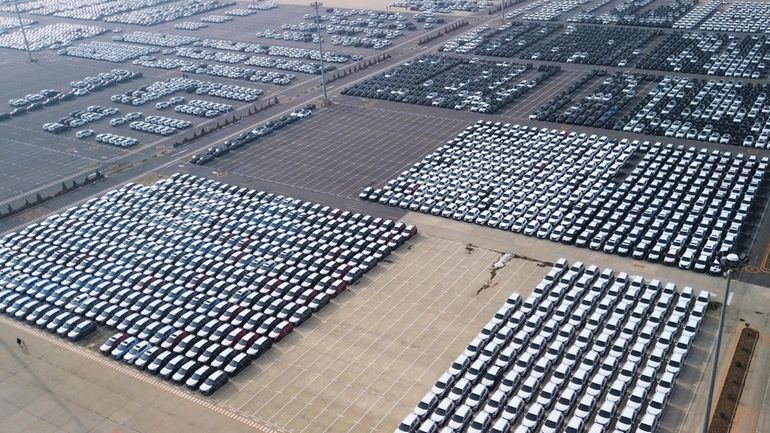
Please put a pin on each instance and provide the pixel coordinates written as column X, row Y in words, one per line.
column 451, row 82
column 190, row 25
column 49, row 36
column 240, row 73
column 509, row 39
column 48, row 97
column 160, row 89
column 80, row 118
column 595, row 45
column 152, row 128
column 249, row 137
column 158, row 39
column 107, row 51
column 166, row 12
column 116, row 140
column 239, row 12
column 547, row 10
column 711, row 53
column 216, row 19
column 197, row 107
column 469, row 40
column 638, row 13
column 231, row 45
column 679, row 206
column 193, row 274
column 752, row 16
column 697, row 14
column 275, row 50
column 585, row 351
column 287, row 64
column 8, row 23
column 431, row 7
column 599, row 106
column 210, row 55
column 726, row 112
column 87, row 10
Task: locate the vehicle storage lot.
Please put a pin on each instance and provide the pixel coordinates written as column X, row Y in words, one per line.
column 340, row 150
column 363, row 362
column 357, row 366
column 526, row 180
column 54, row 71
column 24, row 139
column 438, row 265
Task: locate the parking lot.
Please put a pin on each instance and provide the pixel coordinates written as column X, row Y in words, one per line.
column 439, row 265
column 364, row 361
column 51, row 70
column 319, row 155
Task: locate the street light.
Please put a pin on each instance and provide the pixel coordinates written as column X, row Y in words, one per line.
column 316, row 5
column 23, row 32
column 502, row 10
column 731, row 262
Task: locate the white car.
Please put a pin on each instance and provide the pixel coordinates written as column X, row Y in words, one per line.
column 84, row 133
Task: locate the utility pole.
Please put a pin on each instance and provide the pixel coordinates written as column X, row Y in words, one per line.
column 502, row 10
column 23, row 33
column 732, row 262
column 316, row 5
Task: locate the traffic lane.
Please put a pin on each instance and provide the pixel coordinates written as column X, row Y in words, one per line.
column 351, row 204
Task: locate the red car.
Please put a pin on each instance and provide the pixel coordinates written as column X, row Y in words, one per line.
column 281, row 330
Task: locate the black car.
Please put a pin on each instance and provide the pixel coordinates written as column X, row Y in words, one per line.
column 237, row 363
column 213, row 382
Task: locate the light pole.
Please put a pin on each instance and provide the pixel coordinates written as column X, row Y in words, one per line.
column 320, row 51
column 732, row 262
column 502, row 10
column 23, row 32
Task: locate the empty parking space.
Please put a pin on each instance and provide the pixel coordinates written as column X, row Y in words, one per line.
column 30, row 165
column 360, row 368
column 340, row 150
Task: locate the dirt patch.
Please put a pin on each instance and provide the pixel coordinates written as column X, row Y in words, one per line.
column 733, row 386
column 470, row 248
column 490, row 282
